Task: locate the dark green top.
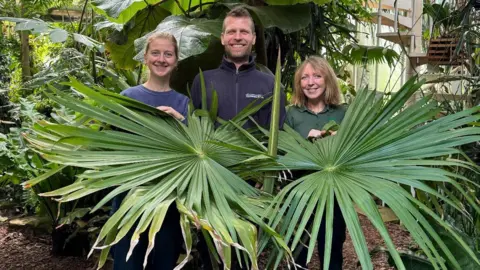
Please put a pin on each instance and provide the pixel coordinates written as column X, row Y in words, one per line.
column 303, row 120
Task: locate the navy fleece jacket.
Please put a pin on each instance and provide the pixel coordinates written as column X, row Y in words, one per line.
column 236, row 89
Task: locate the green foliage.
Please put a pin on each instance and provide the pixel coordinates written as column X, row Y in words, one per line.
column 445, row 20
column 361, row 54
column 379, row 149
column 331, row 31
column 7, row 47
column 121, row 45
column 331, row 34
column 182, row 164
column 38, row 26
column 288, row 18
column 193, row 35
column 120, row 11
column 14, row 165
column 383, row 157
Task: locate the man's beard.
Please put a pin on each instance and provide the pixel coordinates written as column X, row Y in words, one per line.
column 239, row 57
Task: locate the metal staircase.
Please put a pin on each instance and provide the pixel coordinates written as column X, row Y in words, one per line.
column 404, row 18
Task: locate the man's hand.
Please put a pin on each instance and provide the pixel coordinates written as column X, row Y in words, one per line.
column 172, row 112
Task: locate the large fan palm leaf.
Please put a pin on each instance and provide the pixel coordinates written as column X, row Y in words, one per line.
column 158, row 161
column 380, row 149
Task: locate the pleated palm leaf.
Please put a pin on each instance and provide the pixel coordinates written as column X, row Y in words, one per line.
column 159, row 161
column 381, row 150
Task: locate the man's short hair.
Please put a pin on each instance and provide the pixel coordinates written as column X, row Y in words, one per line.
column 239, row 12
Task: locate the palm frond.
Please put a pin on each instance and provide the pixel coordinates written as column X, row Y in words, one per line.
column 362, row 54
column 380, row 148
column 158, row 162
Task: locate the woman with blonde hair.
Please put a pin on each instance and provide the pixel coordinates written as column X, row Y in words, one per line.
column 161, row 58
column 315, row 102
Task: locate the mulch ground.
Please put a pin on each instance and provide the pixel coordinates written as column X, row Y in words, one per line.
column 400, row 237
column 24, row 248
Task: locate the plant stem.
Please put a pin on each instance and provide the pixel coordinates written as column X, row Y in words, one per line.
column 274, row 124
column 81, row 17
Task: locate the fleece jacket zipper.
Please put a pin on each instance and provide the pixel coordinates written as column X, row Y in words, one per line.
column 236, row 92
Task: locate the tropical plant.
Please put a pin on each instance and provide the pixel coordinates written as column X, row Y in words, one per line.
column 380, row 150
column 445, row 18
column 27, row 9
column 160, row 162
column 300, row 28
column 19, row 163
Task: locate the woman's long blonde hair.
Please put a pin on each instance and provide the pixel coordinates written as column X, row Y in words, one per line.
column 319, row 64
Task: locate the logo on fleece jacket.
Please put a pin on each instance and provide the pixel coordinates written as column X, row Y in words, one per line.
column 248, row 95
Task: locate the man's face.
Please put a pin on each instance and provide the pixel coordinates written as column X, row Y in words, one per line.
column 238, row 38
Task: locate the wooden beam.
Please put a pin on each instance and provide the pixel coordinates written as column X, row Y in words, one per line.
column 402, row 5
column 452, row 97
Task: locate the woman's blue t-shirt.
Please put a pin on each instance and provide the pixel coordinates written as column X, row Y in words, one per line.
column 170, row 98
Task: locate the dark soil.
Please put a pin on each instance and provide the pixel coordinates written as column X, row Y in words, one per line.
column 400, row 237
column 24, row 248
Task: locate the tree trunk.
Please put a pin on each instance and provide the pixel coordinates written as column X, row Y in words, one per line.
column 25, row 50
column 25, row 56
column 260, row 46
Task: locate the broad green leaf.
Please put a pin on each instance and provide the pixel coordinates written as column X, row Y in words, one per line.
column 107, row 24
column 143, row 22
column 288, row 18
column 178, row 7
column 37, row 26
column 193, row 35
column 89, row 42
column 58, row 35
column 120, row 11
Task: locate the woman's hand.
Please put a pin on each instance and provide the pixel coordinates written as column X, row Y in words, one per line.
column 172, row 112
column 315, row 133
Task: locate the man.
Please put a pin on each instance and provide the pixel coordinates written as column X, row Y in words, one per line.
column 237, row 81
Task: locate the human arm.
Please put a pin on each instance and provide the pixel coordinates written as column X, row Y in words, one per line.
column 171, row 111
